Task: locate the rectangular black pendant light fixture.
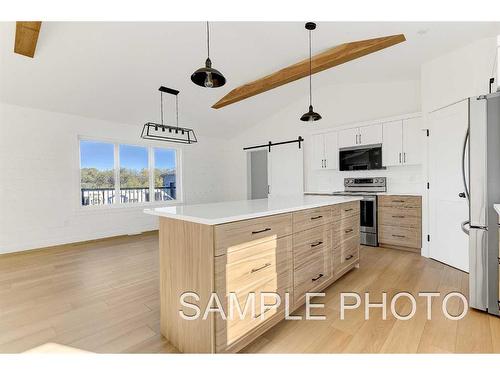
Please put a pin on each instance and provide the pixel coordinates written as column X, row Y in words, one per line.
column 168, row 133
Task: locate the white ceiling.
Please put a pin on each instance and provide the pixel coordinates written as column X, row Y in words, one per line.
column 112, row 70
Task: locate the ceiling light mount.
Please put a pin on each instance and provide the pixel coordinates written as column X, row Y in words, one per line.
column 310, row 115
column 176, row 134
column 207, row 76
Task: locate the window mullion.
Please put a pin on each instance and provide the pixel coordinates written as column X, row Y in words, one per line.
column 117, row 174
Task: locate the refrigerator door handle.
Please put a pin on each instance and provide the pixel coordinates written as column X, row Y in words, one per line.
column 464, row 177
column 464, row 226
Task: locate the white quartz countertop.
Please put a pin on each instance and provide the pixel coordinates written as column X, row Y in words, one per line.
column 497, row 208
column 371, row 193
column 226, row 212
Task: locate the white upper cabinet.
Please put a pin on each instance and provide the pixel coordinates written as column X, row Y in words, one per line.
column 392, row 147
column 325, row 152
column 362, row 136
column 402, row 142
column 348, row 137
column 370, row 135
column 412, row 141
column 331, row 150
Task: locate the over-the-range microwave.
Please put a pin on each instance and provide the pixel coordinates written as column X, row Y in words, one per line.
column 360, row 158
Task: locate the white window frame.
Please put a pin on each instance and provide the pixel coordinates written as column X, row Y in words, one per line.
column 116, row 152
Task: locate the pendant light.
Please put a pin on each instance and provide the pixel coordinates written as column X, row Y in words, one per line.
column 310, row 115
column 207, row 76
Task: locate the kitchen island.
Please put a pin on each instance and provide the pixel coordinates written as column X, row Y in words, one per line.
column 274, row 249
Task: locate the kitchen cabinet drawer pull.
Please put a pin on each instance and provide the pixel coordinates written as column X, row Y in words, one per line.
column 397, row 201
column 317, row 278
column 398, row 216
column 348, row 230
column 348, row 209
column 261, row 231
column 316, row 217
column 398, row 236
column 349, row 257
column 260, row 268
column 317, row 243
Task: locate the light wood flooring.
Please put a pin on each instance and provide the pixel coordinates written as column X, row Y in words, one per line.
column 104, row 297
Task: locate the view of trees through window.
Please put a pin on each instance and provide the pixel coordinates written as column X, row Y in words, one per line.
column 98, row 174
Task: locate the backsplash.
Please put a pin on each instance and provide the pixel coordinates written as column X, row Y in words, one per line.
column 405, row 179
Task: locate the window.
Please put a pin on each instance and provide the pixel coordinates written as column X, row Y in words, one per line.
column 165, row 174
column 113, row 173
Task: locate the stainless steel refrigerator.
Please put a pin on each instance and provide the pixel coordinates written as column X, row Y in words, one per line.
column 481, row 175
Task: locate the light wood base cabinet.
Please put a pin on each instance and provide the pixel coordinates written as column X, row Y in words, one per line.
column 289, row 254
column 400, row 222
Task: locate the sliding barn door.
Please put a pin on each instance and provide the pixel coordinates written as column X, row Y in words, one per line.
column 286, row 170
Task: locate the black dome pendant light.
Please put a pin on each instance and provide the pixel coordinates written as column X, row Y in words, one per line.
column 208, row 76
column 310, row 115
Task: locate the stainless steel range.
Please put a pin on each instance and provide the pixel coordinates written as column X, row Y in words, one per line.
column 367, row 188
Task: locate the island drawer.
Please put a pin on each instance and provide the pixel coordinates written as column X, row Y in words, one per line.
column 349, row 227
column 310, row 243
column 258, row 262
column 306, row 219
column 349, row 209
column 242, row 234
column 310, row 277
column 347, row 254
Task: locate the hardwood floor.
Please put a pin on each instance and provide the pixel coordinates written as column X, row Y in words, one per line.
column 104, row 297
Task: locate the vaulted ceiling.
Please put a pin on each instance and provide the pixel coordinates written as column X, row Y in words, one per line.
column 112, row 70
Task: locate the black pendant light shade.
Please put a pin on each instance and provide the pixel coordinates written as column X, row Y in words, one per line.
column 310, row 115
column 207, row 76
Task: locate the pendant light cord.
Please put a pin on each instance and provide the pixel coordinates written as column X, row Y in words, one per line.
column 310, row 71
column 208, row 40
column 161, row 106
column 177, row 111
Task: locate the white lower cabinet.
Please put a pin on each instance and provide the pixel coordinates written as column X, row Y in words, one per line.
column 325, row 152
column 402, row 143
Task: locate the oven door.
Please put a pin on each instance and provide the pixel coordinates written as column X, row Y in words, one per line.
column 368, row 215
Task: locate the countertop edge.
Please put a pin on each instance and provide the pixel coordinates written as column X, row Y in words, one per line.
column 371, row 193
column 254, row 215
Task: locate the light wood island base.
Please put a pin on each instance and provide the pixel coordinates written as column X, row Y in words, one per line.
column 290, row 253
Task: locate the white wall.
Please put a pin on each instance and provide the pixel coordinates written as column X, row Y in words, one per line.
column 339, row 105
column 39, row 171
column 458, row 74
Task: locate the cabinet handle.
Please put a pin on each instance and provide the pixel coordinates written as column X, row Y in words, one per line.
column 349, row 257
column 398, row 236
column 261, row 231
column 317, row 243
column 400, row 158
column 317, row 278
column 404, row 157
column 398, row 216
column 316, row 217
column 360, row 139
column 260, row 268
column 348, row 209
column 348, row 230
column 326, row 161
column 398, row 201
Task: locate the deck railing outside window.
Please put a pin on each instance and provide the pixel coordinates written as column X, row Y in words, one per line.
column 102, row 196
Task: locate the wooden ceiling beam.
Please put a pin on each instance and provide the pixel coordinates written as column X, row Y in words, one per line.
column 325, row 60
column 26, row 37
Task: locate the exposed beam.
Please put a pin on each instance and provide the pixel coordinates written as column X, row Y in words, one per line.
column 332, row 57
column 26, row 37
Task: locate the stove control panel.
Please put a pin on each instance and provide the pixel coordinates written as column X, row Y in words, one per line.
column 368, row 183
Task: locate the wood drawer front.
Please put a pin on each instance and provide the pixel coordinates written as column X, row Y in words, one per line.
column 349, row 209
column 237, row 327
column 253, row 264
column 310, row 276
column 349, row 227
column 400, row 201
column 240, row 234
column 400, row 216
column 399, row 236
column 306, row 219
column 347, row 254
column 310, row 243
